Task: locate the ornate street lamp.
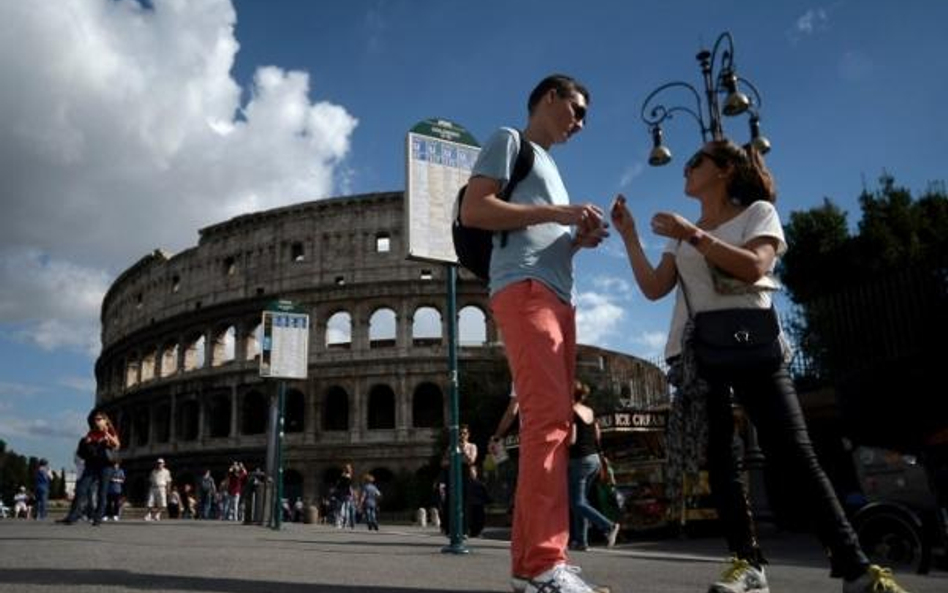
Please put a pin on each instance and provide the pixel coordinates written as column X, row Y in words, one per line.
column 726, row 83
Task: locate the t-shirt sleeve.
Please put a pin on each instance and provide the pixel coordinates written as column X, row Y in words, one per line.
column 763, row 221
column 496, row 157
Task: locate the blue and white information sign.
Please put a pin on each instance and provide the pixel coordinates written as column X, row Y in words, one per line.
column 285, row 349
column 440, row 155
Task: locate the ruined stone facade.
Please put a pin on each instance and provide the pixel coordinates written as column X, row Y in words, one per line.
column 179, row 373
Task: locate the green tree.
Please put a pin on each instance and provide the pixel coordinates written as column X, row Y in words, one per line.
column 873, row 303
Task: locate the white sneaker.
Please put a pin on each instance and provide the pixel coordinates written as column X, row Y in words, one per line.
column 875, row 580
column 741, row 577
column 613, row 534
column 519, row 584
column 148, row 517
column 115, row 518
column 562, row 578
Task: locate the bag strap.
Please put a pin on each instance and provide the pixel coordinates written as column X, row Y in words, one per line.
column 522, row 167
column 681, row 284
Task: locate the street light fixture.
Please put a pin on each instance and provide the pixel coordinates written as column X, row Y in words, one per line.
column 727, row 83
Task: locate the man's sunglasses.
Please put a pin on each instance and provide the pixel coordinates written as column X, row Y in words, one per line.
column 579, row 112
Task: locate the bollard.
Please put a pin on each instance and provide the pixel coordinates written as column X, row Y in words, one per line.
column 312, row 514
column 435, row 517
column 421, row 517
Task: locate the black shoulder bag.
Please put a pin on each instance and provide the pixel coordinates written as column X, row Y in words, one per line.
column 474, row 246
column 730, row 342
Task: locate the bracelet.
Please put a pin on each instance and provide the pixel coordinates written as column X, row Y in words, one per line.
column 695, row 238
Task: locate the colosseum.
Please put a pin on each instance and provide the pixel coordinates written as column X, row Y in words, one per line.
column 181, row 339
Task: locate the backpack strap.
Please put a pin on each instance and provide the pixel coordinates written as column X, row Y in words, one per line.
column 522, row 167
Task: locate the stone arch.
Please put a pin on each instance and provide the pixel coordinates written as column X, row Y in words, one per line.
column 132, row 369
column 169, row 359
column 339, row 330
column 254, row 412
column 426, row 326
column 149, row 364
column 292, row 485
column 253, row 341
column 141, row 420
column 382, row 328
column 381, row 412
column 186, row 423
column 336, row 409
column 294, row 419
column 163, row 422
column 427, row 406
column 194, row 353
column 472, row 326
column 224, row 346
column 218, row 413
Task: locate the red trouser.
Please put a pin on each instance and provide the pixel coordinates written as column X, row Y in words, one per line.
column 539, row 333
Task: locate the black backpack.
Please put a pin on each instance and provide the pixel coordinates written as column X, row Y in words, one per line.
column 474, row 246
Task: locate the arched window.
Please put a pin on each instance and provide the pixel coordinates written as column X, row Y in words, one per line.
column 148, row 365
column 218, row 413
column 339, row 330
column 426, row 326
column 254, row 412
column 224, row 347
column 163, row 423
column 427, row 406
column 252, row 342
column 295, row 411
column 187, row 422
column 292, row 485
column 194, row 354
column 382, row 329
column 336, row 409
column 381, row 414
column 472, row 327
column 140, row 426
column 169, row 359
column 132, row 368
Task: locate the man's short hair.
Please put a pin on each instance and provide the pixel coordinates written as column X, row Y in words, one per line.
column 564, row 86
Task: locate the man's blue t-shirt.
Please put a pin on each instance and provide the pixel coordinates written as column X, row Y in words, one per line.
column 542, row 252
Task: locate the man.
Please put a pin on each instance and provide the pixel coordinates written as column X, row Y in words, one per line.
column 531, row 285
column 42, row 482
column 159, row 481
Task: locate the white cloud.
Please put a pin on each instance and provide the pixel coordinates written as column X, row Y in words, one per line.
column 814, row 19
column 67, row 425
column 77, row 383
column 617, row 287
column 630, row 173
column 123, row 130
column 597, row 318
column 653, row 342
column 9, row 389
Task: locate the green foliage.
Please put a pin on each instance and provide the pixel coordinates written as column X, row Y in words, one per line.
column 848, row 284
column 14, row 472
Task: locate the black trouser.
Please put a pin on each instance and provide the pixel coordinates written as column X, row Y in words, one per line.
column 770, row 402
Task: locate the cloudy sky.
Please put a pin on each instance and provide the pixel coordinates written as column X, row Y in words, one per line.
column 127, row 126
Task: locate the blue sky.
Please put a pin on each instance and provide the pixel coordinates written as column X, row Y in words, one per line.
column 126, row 129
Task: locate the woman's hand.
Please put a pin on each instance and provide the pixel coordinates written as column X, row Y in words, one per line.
column 622, row 219
column 673, row 226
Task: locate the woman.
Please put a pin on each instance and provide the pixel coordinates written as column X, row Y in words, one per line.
column 725, row 261
column 95, row 449
column 584, row 464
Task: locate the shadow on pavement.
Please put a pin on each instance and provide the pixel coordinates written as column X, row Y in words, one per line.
column 146, row 582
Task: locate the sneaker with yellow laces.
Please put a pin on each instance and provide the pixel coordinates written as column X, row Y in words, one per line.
column 875, row 580
column 741, row 577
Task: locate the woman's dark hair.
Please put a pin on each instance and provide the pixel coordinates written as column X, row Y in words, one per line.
column 564, row 85
column 751, row 180
column 580, row 391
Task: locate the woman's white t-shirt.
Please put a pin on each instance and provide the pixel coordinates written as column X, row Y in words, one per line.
column 760, row 219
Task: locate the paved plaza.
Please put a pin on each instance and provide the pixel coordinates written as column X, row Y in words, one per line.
column 216, row 557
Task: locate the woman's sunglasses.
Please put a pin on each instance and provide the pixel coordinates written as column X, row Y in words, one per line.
column 697, row 158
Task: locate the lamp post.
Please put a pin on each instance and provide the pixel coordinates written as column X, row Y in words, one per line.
column 720, row 78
